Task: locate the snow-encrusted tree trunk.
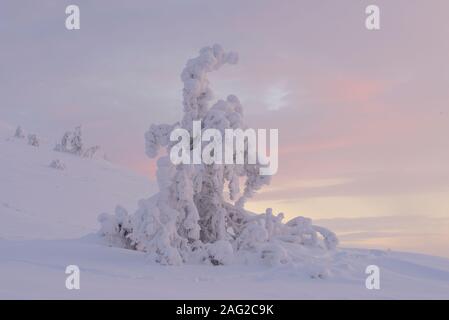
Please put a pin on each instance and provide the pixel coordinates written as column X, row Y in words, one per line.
column 189, row 220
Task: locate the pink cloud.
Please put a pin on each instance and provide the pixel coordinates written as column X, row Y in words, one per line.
column 355, row 90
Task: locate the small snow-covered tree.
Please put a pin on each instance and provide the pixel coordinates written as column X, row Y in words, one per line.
column 76, row 142
column 19, row 133
column 33, row 140
column 116, row 228
column 63, row 146
column 190, row 220
column 72, row 142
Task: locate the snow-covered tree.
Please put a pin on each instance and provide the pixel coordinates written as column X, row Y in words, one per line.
column 72, row 142
column 76, row 142
column 33, row 140
column 190, row 220
column 19, row 133
column 63, row 146
column 116, row 228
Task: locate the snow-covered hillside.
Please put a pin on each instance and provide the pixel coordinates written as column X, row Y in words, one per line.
column 48, row 220
column 37, row 201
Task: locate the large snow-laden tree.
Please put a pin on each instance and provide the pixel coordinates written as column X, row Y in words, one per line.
column 198, row 214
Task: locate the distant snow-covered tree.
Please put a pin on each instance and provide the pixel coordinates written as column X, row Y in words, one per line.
column 63, row 146
column 190, row 220
column 76, row 142
column 19, row 133
column 33, row 140
column 72, row 142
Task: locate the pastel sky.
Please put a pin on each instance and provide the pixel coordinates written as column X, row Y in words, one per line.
column 363, row 116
